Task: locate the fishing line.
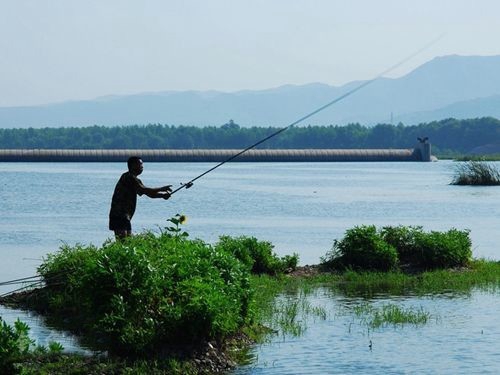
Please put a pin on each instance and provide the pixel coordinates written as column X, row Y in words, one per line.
column 188, row 184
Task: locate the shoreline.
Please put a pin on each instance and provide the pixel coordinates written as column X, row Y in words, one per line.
column 220, row 357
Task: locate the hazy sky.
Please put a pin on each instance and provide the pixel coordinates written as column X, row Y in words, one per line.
column 57, row 50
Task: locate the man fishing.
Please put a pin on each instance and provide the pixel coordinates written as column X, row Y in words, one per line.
column 125, row 195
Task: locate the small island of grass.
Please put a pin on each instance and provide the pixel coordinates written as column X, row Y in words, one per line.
column 476, row 172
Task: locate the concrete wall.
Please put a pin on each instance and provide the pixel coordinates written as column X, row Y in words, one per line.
column 421, row 153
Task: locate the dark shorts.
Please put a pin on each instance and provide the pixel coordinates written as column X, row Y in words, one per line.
column 119, row 223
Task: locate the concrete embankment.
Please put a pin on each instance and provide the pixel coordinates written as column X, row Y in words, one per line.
column 419, row 153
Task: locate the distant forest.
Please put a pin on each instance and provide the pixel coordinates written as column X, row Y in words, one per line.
column 447, row 136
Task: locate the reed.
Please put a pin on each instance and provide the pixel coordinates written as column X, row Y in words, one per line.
column 282, row 304
column 390, row 314
column 476, row 173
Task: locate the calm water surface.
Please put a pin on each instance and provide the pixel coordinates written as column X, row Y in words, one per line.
column 461, row 337
column 299, row 207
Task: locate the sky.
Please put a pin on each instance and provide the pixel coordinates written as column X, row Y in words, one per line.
column 60, row 50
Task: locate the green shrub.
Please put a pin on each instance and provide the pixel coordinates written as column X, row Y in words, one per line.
column 258, row 256
column 406, row 241
column 365, row 248
column 135, row 295
column 362, row 248
column 445, row 249
column 14, row 345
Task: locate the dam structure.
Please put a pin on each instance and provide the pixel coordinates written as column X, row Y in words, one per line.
column 422, row 152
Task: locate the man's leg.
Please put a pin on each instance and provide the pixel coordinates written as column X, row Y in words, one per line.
column 121, row 234
column 121, row 226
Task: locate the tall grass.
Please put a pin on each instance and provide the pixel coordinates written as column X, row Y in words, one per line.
column 475, row 172
column 282, row 304
column 390, row 314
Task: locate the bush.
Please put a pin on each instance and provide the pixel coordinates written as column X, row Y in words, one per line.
column 365, row 248
column 476, row 173
column 258, row 256
column 429, row 250
column 444, row 250
column 17, row 347
column 135, row 295
column 406, row 241
column 362, row 248
column 14, row 345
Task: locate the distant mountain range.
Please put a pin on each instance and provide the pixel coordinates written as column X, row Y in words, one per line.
column 448, row 86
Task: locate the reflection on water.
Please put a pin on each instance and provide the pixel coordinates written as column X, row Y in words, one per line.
column 299, row 207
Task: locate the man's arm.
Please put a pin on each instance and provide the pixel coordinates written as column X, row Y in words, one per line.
column 161, row 192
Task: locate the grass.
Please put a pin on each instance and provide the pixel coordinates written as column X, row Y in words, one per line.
column 476, row 173
column 282, row 304
column 290, row 315
column 390, row 314
column 480, row 274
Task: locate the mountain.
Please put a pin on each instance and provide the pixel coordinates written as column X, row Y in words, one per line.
column 448, row 86
column 481, row 107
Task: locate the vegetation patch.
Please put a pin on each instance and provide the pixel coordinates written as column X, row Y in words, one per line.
column 366, row 248
column 475, row 172
column 390, row 314
column 17, row 347
column 148, row 292
column 257, row 256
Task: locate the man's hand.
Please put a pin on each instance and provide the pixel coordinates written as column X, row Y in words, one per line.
column 166, row 196
column 167, row 188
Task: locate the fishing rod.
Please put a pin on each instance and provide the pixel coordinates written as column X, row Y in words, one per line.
column 188, row 184
column 33, row 282
column 20, row 281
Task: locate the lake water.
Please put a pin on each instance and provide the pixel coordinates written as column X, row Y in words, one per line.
column 299, row 207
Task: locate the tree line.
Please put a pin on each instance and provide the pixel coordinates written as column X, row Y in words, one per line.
column 448, row 136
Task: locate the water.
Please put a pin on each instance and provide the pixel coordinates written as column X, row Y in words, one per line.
column 299, row 207
column 461, row 337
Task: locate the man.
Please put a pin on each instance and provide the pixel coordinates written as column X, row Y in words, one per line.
column 125, row 197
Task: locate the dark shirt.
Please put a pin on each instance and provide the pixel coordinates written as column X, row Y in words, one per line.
column 125, row 196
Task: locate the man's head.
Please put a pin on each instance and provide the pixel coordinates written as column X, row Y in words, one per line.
column 134, row 164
